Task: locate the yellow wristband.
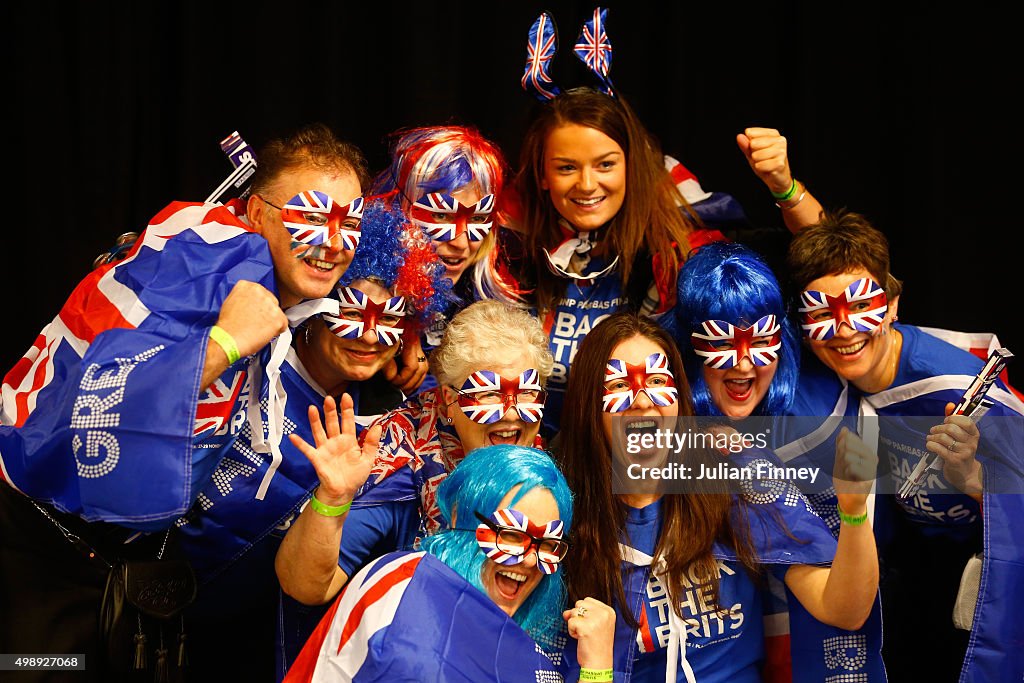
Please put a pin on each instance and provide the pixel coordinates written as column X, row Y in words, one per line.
column 226, row 342
column 328, row 510
column 852, row 520
column 601, row 675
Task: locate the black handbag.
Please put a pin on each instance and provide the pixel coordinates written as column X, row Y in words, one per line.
column 141, row 617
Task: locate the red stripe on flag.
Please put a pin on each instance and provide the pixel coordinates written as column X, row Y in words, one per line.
column 304, row 665
column 645, row 631
column 89, row 312
column 376, row 592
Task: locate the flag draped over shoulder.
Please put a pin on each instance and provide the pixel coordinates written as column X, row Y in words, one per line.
column 103, row 416
column 409, row 617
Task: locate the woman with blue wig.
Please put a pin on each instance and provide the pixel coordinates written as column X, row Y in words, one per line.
column 740, row 350
column 742, row 360
column 476, row 599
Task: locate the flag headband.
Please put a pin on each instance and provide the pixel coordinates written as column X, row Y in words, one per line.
column 593, row 48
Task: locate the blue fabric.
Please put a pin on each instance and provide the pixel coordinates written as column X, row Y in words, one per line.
column 99, row 442
column 719, row 647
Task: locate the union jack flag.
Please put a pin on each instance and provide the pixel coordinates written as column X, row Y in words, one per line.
column 653, row 378
column 715, row 335
column 443, row 218
column 540, row 48
column 80, row 426
column 594, row 49
column 217, row 404
column 510, row 518
column 510, row 391
column 468, row 637
column 862, row 306
column 372, row 312
column 313, row 218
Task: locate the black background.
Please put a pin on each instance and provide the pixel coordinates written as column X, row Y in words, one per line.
column 903, row 114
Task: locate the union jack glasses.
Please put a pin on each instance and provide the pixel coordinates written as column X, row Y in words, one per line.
column 314, row 219
column 443, row 218
column 723, row 345
column 359, row 313
column 624, row 382
column 486, row 396
column 862, row 306
column 507, row 537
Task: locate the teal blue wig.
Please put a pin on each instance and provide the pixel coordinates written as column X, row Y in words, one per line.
column 477, row 484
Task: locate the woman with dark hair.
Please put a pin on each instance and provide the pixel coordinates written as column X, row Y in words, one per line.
column 478, row 598
column 606, row 227
column 681, row 570
column 953, row 529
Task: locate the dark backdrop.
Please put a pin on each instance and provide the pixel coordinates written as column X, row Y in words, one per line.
column 901, row 114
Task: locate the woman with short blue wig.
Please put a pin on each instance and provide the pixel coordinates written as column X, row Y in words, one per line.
column 477, row 598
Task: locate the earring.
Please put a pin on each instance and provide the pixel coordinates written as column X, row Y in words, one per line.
column 449, row 418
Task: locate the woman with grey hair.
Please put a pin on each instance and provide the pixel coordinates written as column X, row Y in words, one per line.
column 492, row 365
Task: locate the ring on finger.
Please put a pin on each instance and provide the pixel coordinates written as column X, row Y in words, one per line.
column 581, row 611
column 952, row 446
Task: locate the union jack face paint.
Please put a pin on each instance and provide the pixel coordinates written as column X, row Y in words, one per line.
column 360, row 313
column 623, row 383
column 507, row 536
column 723, row 345
column 486, row 396
column 314, row 219
column 862, row 306
column 443, row 218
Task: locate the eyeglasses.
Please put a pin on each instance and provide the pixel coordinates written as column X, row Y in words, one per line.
column 486, row 396
column 509, row 545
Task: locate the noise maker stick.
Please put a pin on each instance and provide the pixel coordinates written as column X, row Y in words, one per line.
column 243, row 158
column 973, row 405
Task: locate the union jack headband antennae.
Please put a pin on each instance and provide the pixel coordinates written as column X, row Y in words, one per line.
column 592, row 48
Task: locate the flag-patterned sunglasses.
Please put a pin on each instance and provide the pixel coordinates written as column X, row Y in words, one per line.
column 862, row 306
column 723, row 345
column 486, row 396
column 443, row 218
column 360, row 313
column 507, row 537
column 624, row 382
column 314, row 219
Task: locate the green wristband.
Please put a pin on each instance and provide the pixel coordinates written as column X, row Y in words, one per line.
column 596, row 675
column 852, row 520
column 788, row 194
column 226, row 342
column 328, row 510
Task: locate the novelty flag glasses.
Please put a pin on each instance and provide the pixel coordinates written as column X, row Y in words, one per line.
column 507, row 536
column 443, row 218
column 486, row 396
column 862, row 306
column 360, row 313
column 624, row 382
column 723, row 345
column 314, row 219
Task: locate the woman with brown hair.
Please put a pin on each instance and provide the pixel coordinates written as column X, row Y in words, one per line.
column 681, row 570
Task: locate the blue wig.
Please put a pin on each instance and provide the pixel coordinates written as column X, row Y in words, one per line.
column 477, row 484
column 730, row 282
column 391, row 252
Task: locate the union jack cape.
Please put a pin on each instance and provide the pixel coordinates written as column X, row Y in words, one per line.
column 409, row 617
column 103, row 416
